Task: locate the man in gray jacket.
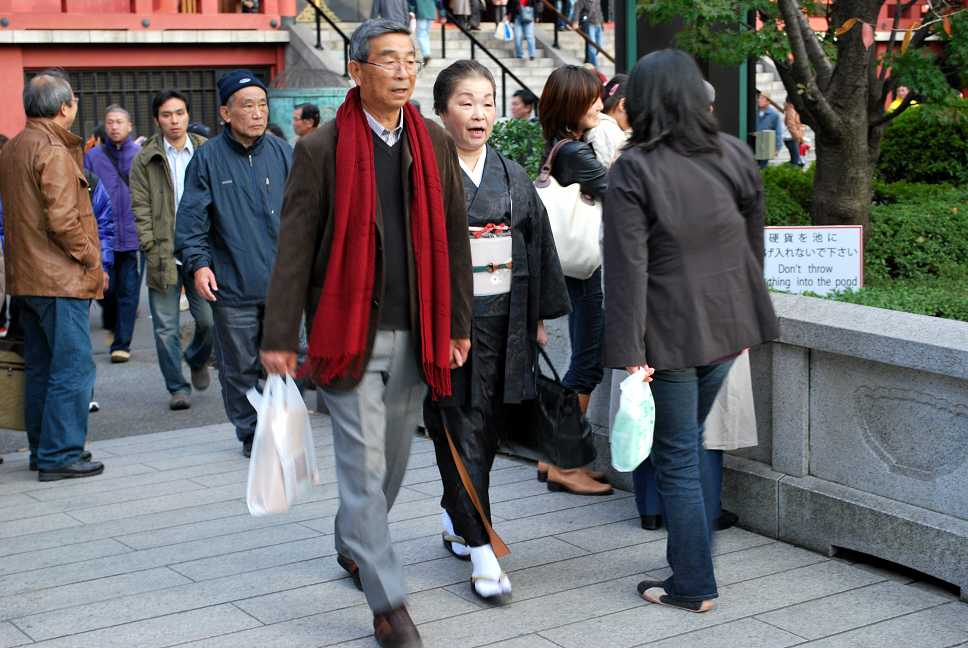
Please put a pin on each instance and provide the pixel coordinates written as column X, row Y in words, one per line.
column 157, row 186
column 226, row 234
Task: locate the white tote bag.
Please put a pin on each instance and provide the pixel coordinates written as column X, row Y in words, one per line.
column 283, row 463
column 731, row 423
column 576, row 221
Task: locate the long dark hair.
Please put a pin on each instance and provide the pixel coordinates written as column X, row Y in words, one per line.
column 667, row 103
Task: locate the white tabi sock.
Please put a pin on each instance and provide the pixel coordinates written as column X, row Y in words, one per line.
column 448, row 525
column 486, row 566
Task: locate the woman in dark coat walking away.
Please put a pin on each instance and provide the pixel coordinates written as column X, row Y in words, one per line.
column 570, row 106
column 517, row 285
column 685, row 294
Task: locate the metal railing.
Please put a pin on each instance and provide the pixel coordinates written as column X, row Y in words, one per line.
column 476, row 44
column 588, row 39
column 321, row 15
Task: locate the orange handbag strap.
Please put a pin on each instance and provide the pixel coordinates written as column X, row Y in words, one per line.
column 500, row 549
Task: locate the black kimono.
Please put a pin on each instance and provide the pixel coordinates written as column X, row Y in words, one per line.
column 501, row 366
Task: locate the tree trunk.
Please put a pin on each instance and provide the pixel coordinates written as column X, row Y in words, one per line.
column 842, row 184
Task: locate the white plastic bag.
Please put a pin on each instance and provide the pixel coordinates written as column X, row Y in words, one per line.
column 283, row 463
column 631, row 438
column 503, row 31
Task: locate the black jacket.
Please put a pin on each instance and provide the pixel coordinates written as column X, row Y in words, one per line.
column 228, row 218
column 576, row 162
column 683, row 250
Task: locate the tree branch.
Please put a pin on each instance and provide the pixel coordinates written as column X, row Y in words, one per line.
column 825, row 116
column 818, row 57
column 899, row 8
column 887, row 117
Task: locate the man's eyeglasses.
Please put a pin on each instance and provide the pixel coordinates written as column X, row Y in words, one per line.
column 409, row 66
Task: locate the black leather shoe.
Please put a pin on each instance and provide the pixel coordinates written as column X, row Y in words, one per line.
column 726, row 520
column 85, row 456
column 75, row 470
column 650, row 522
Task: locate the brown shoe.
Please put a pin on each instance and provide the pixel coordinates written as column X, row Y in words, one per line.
column 395, row 629
column 594, row 474
column 576, row 481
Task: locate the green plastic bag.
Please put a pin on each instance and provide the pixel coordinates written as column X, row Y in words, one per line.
column 631, row 438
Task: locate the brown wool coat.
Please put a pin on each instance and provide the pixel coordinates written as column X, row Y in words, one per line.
column 305, row 237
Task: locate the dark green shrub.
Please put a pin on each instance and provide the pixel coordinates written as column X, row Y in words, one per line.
column 916, row 192
column 796, row 182
column 522, row 141
column 927, row 144
column 939, row 298
column 781, row 207
column 918, row 240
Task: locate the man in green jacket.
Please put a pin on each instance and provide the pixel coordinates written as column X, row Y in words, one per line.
column 157, row 182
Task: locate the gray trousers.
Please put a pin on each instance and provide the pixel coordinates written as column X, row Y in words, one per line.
column 238, row 335
column 373, row 427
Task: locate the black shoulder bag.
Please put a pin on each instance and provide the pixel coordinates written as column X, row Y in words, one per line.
column 566, row 437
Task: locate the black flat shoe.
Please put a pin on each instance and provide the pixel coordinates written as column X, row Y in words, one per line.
column 84, row 456
column 247, row 448
column 726, row 520
column 650, row 522
column 75, row 470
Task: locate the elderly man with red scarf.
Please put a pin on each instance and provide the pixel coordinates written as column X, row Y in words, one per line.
column 373, row 245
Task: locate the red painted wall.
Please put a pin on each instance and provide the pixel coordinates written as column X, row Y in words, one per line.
column 15, row 60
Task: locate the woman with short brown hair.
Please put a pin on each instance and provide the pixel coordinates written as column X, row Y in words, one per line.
column 570, row 106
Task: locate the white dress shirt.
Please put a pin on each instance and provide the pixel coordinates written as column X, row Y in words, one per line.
column 177, row 164
column 391, row 137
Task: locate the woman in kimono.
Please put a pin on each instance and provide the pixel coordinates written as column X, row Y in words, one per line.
column 518, row 284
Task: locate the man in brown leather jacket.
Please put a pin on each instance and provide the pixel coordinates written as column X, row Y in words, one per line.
column 53, row 259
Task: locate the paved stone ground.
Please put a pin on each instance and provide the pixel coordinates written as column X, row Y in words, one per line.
column 159, row 551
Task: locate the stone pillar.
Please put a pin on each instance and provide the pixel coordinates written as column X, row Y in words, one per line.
column 791, row 410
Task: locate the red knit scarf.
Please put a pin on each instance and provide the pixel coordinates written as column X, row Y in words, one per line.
column 338, row 341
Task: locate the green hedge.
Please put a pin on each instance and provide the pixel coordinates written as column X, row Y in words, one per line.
column 927, row 144
column 522, row 141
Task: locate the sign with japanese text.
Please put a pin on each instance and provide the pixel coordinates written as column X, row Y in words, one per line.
column 821, row 260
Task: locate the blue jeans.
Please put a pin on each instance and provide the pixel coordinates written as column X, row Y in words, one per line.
column 166, row 315
column 649, row 502
column 59, row 376
column 122, row 298
column 423, row 36
column 596, row 33
column 527, row 30
column 683, row 398
column 585, row 324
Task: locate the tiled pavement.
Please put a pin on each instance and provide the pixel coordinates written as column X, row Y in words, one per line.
column 160, row 551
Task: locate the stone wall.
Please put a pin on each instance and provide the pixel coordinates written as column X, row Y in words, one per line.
column 863, row 428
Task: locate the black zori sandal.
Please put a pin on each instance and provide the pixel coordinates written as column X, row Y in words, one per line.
column 654, row 592
column 449, row 541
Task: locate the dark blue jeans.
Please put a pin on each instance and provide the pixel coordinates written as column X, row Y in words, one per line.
column 585, row 325
column 683, row 398
column 649, row 502
column 59, row 377
column 121, row 299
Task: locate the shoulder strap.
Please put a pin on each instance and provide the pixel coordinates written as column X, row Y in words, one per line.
column 543, row 354
column 546, row 167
